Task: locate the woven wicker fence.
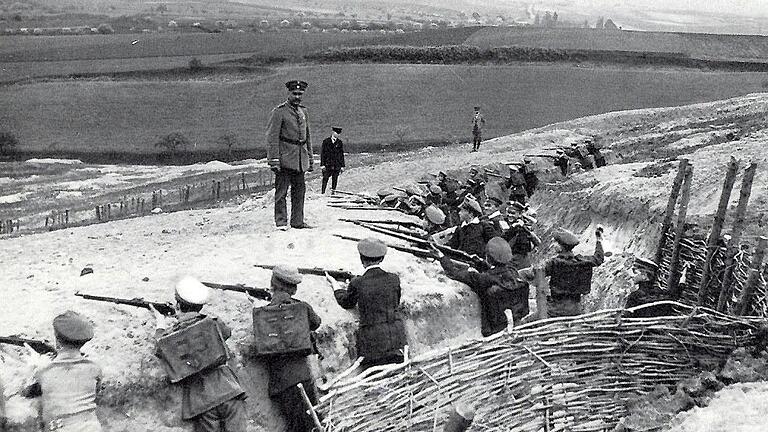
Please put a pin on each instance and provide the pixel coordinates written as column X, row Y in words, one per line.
column 559, row 374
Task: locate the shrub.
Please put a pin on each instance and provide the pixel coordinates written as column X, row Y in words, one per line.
column 195, row 64
column 228, row 141
column 105, row 28
column 8, row 143
column 173, row 143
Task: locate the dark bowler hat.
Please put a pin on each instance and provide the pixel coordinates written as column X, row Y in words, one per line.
column 294, row 85
column 566, row 238
column 72, row 327
column 336, row 129
column 499, row 250
column 370, row 247
column 645, row 265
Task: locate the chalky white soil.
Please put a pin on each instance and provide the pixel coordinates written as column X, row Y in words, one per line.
column 739, row 407
column 41, row 272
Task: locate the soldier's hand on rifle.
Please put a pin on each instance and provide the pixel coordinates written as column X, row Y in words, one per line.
column 34, row 361
column 334, row 283
column 436, row 253
column 161, row 321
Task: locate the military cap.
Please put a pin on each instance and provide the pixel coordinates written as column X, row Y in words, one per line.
column 383, row 192
column 190, row 290
column 72, row 327
column 434, row 215
column 435, row 189
column 499, row 250
column 516, row 205
column 294, row 85
column 645, row 264
column 496, row 200
column 370, row 247
column 336, row 129
column 477, row 108
column 413, row 189
column 472, row 206
column 442, row 173
column 474, row 169
column 566, row 238
column 391, row 198
column 286, row 274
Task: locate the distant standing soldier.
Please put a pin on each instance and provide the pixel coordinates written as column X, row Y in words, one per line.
column 478, row 122
column 68, row 385
column 332, row 159
column 376, row 293
column 499, row 288
column 570, row 275
column 289, row 154
column 212, row 399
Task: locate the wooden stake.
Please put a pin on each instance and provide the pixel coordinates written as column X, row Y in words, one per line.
column 717, row 227
column 673, row 279
column 754, row 276
column 310, row 408
column 734, row 243
column 669, row 213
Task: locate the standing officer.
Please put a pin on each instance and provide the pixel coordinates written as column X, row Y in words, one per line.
column 381, row 336
column 289, row 154
column 332, row 158
column 477, row 129
column 570, row 275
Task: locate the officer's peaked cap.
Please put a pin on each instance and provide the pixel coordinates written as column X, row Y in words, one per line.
column 72, row 327
column 336, row 129
column 370, row 247
column 296, row 85
column 192, row 291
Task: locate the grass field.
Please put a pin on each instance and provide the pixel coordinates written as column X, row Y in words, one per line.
column 376, row 104
column 697, row 45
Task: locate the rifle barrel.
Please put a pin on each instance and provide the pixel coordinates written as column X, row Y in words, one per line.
column 41, row 347
column 163, row 308
column 259, row 293
column 317, row 271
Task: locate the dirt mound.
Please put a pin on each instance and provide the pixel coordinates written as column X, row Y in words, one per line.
column 222, row 244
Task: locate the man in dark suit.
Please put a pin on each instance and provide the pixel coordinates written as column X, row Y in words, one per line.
column 289, row 155
column 472, row 234
column 381, row 335
column 332, row 159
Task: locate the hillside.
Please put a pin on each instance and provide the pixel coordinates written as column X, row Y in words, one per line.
column 221, row 245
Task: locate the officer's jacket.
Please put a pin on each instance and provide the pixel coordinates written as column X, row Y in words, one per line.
column 288, row 370
column 332, row 154
column 520, row 239
column 377, row 296
column 210, row 388
column 516, row 184
column 288, row 140
column 570, row 274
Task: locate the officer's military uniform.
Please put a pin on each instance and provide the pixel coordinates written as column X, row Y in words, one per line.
column 332, row 160
column 477, row 129
column 570, row 276
column 289, row 152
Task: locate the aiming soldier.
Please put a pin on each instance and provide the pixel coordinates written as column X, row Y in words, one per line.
column 522, row 240
column 434, row 220
column 289, row 154
column 478, row 122
column 212, row 398
column 332, row 159
column 376, row 293
column 499, row 287
column 69, row 384
column 570, row 275
column 290, row 368
column 471, row 235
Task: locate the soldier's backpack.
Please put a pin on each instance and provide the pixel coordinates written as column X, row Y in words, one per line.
column 570, row 276
column 192, row 349
column 282, row 329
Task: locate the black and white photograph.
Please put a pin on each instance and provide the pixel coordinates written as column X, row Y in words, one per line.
column 383, row 215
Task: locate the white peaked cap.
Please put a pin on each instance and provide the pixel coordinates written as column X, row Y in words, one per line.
column 192, row 291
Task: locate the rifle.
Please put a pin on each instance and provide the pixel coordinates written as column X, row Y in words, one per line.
column 493, row 173
column 41, row 347
column 358, row 195
column 317, row 271
column 164, row 308
column 395, row 234
column 259, row 293
column 421, row 253
column 351, row 207
column 407, row 224
column 543, row 156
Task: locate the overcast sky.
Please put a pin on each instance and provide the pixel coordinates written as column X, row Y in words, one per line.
column 738, row 7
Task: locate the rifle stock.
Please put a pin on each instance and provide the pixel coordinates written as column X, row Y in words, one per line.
column 259, row 293
column 41, row 347
column 317, row 271
column 164, row 308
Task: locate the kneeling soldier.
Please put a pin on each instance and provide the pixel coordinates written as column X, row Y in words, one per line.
column 193, row 352
column 376, row 293
column 499, row 288
column 287, row 364
column 69, row 384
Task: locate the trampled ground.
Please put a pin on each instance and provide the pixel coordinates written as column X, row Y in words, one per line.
column 222, row 244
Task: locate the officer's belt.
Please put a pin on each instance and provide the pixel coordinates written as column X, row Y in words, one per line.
column 292, row 141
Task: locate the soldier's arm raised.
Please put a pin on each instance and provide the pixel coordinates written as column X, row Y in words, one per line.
column 274, row 125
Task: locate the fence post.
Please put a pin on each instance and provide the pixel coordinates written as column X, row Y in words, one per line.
column 242, row 175
column 218, row 190
column 756, row 268
column 717, row 227
column 673, row 279
column 186, row 197
column 738, row 228
column 669, row 213
column 66, row 217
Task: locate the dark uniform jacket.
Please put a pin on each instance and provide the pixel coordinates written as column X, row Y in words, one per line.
column 516, row 184
column 570, row 274
column 285, row 371
column 210, row 388
column 288, row 141
column 332, row 154
column 472, row 237
column 498, row 288
column 377, row 296
column 520, row 239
